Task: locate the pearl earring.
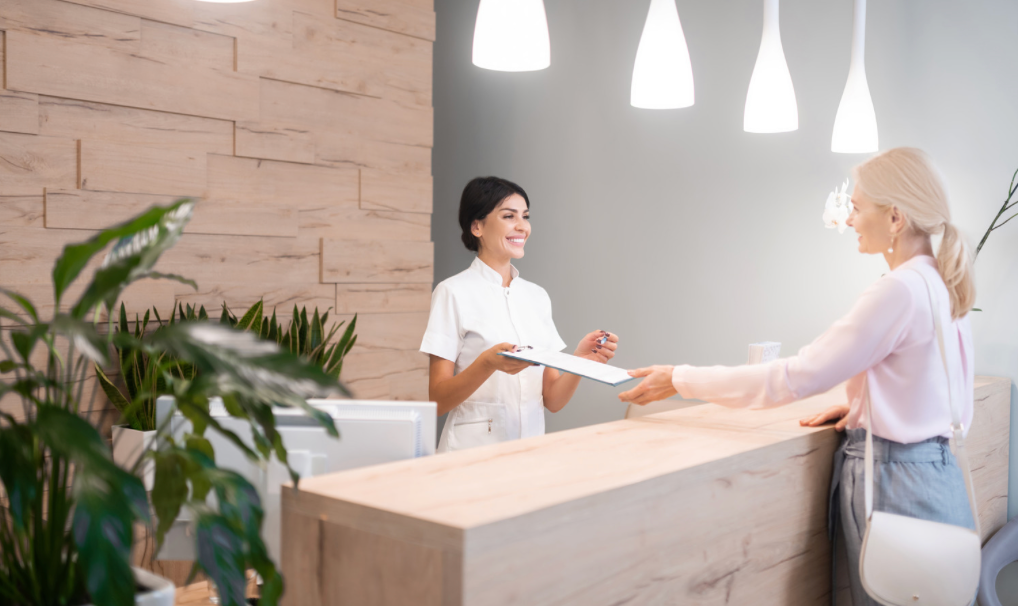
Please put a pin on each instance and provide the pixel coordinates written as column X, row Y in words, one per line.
column 890, row 249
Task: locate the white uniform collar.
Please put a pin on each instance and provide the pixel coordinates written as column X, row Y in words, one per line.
column 490, row 274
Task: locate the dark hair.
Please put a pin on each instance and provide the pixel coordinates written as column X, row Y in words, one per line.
column 481, row 196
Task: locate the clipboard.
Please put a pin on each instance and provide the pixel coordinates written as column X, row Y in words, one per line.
column 595, row 371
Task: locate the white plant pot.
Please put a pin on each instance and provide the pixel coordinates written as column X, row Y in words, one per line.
column 128, row 444
column 158, row 591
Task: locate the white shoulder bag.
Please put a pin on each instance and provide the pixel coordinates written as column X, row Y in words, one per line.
column 906, row 560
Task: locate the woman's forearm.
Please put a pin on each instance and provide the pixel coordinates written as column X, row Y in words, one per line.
column 558, row 389
column 451, row 391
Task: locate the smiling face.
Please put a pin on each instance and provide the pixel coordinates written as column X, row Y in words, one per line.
column 504, row 232
column 873, row 223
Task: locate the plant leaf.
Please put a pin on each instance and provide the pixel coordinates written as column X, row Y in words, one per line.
column 315, row 337
column 220, row 554
column 84, row 335
column 252, row 318
column 22, row 302
column 10, row 315
column 25, row 340
column 116, row 398
column 76, row 256
column 169, row 490
column 274, row 328
column 155, row 275
column 103, row 533
column 201, row 419
column 141, row 242
column 18, row 471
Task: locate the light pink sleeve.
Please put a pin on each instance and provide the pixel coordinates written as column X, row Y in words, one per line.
column 856, row 342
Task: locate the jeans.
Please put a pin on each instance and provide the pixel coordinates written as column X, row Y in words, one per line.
column 920, row 480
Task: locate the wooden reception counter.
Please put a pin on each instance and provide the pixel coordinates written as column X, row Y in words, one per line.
column 702, row 505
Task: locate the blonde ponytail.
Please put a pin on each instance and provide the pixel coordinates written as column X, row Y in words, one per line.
column 906, row 178
column 955, row 263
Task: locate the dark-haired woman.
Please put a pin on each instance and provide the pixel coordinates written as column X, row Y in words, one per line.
column 488, row 309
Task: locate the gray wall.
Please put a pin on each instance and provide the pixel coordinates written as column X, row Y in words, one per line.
column 691, row 238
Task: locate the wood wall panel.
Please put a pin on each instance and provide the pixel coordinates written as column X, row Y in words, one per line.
column 62, row 68
column 360, row 59
column 382, row 298
column 341, row 114
column 83, row 209
column 358, row 261
column 115, row 167
column 328, row 221
column 387, row 191
column 22, row 211
column 27, row 254
column 136, row 298
column 266, row 113
column 285, row 184
column 363, row 153
column 406, row 17
column 398, row 331
column 211, row 260
column 131, row 126
column 28, row 164
column 179, row 12
column 186, row 46
column 73, row 22
column 387, row 374
column 19, row 112
column 272, row 142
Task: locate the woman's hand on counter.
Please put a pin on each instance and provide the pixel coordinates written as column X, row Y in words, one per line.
column 837, row 413
column 656, row 385
column 510, row 366
column 591, row 348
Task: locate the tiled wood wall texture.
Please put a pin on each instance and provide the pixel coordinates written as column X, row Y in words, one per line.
column 303, row 126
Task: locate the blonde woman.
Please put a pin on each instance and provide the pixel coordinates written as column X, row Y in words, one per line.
column 885, row 348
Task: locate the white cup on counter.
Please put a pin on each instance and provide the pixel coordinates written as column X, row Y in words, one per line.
column 766, row 351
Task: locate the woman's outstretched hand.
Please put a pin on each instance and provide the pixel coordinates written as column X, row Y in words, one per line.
column 837, row 413
column 591, row 348
column 657, row 385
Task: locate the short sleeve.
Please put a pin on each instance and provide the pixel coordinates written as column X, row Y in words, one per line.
column 443, row 337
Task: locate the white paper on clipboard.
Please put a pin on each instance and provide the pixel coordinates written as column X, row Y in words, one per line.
column 602, row 373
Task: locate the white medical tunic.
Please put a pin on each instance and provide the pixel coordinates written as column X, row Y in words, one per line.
column 470, row 313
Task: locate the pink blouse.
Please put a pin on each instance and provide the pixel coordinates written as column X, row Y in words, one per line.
column 886, row 345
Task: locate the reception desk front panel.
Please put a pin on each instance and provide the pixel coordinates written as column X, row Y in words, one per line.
column 703, row 505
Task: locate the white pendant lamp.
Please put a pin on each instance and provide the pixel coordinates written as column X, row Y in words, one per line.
column 512, row 36
column 855, row 127
column 662, row 76
column 770, row 103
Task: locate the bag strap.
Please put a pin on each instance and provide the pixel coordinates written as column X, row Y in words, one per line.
column 957, row 428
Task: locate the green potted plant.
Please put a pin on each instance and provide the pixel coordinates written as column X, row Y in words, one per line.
column 68, row 511
column 302, row 337
column 141, row 381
